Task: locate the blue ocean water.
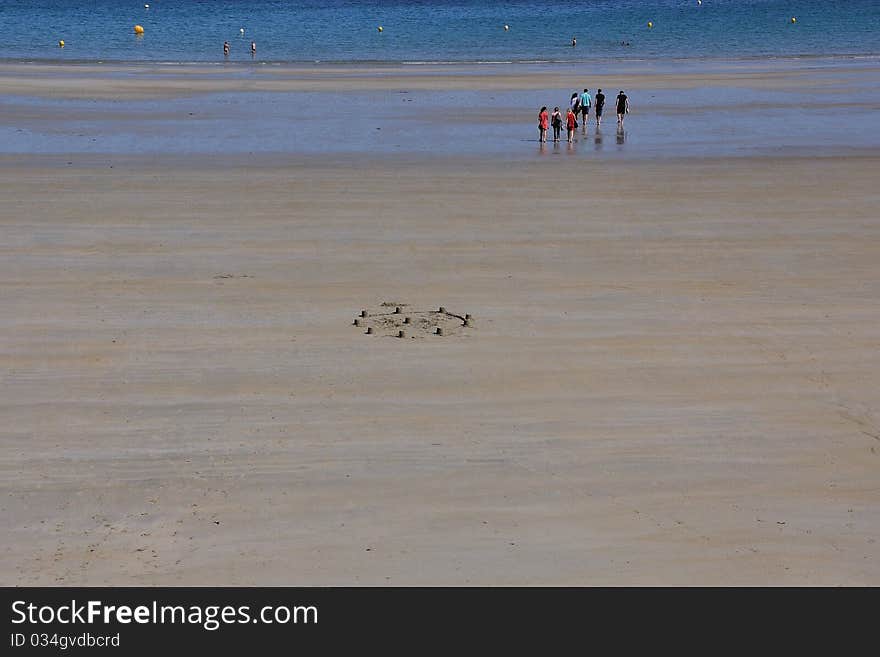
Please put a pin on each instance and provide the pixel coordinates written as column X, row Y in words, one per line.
column 434, row 30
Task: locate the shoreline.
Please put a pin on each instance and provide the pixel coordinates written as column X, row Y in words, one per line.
column 634, row 66
column 380, row 64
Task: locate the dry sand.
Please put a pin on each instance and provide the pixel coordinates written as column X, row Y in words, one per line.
column 672, row 376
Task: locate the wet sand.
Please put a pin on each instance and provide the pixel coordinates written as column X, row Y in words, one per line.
column 119, row 81
column 671, row 378
column 798, row 107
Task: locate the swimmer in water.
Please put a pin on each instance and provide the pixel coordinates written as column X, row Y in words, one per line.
column 253, row 48
column 574, row 41
column 226, row 49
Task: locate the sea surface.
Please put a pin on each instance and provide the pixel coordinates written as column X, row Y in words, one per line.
column 430, row 31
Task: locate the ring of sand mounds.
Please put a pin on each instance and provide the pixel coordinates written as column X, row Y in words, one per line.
column 399, row 320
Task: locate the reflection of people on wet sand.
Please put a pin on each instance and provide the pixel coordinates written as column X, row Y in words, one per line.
column 621, row 135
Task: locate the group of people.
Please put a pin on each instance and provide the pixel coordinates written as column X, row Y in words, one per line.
column 579, row 105
column 226, row 48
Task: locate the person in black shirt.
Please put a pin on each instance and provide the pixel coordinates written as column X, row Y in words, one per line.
column 556, row 122
column 622, row 107
column 600, row 107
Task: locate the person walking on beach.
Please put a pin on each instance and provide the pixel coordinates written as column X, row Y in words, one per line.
column 586, row 103
column 556, row 122
column 574, row 103
column 571, row 124
column 600, row 107
column 226, row 49
column 622, row 107
column 542, row 125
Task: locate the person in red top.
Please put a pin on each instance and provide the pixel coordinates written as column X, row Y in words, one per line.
column 543, row 124
column 571, row 124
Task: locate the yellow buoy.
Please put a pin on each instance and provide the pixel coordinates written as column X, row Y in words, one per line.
column 138, row 29
column 380, row 28
column 650, row 24
column 61, row 43
column 793, row 19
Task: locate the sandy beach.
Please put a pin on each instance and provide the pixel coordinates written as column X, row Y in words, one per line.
column 671, row 375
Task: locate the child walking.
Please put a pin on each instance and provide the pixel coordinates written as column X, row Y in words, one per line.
column 571, row 124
